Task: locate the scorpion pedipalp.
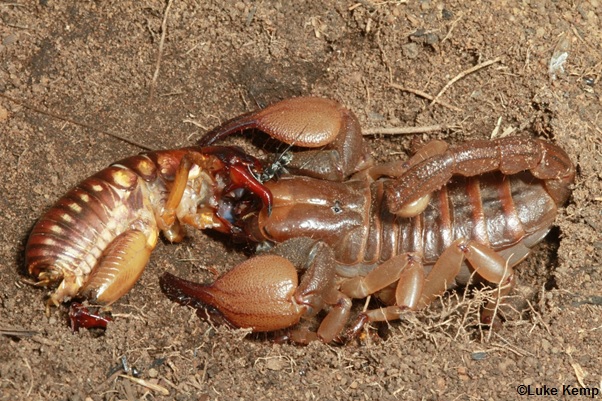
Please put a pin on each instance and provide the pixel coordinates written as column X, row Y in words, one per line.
column 257, row 294
column 264, row 292
column 330, row 133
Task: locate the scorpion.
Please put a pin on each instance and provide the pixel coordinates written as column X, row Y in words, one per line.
column 95, row 242
column 404, row 231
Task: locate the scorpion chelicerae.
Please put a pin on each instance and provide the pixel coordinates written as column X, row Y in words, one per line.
column 405, row 231
column 95, row 242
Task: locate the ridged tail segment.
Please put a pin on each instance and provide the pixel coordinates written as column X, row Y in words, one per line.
column 507, row 213
column 71, row 237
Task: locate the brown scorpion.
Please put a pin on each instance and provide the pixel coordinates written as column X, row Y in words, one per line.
column 405, row 231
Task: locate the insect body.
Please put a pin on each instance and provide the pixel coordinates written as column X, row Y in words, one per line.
column 97, row 239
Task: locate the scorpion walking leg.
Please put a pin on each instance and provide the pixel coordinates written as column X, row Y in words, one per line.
column 317, row 289
column 406, row 270
column 418, row 292
column 486, row 263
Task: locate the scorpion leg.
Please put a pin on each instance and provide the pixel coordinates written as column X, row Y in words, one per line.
column 307, row 122
column 414, row 291
column 508, row 155
column 487, row 263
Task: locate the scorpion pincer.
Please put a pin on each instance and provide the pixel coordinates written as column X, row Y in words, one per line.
column 95, row 242
column 405, row 231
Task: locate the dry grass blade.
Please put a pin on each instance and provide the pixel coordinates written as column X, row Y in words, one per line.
column 406, row 130
column 160, row 55
column 462, row 75
column 17, row 332
column 151, row 386
column 426, row 96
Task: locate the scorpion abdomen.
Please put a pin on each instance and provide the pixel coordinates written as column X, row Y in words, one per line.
column 509, row 214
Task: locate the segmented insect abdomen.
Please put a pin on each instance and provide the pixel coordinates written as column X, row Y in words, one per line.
column 71, row 237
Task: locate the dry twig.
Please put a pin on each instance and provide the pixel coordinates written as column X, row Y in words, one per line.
column 160, row 55
column 425, row 95
column 145, row 383
column 462, row 75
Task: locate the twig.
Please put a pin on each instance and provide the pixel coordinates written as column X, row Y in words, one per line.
column 145, row 383
column 462, row 75
column 17, row 332
column 77, row 123
column 160, row 55
column 452, row 26
column 31, row 377
column 405, row 130
column 425, row 95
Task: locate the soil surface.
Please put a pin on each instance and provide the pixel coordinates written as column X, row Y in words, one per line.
column 80, row 71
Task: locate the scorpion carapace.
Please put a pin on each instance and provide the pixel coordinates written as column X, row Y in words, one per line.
column 95, row 241
column 405, row 231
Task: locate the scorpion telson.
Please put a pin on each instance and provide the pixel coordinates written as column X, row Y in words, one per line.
column 404, row 231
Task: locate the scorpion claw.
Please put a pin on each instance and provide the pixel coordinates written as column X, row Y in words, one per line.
column 242, row 177
column 257, row 294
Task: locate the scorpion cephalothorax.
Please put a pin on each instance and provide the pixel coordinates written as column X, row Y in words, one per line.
column 405, row 231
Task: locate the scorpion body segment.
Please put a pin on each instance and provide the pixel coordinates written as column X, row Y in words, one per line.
column 508, row 214
column 405, row 230
column 97, row 239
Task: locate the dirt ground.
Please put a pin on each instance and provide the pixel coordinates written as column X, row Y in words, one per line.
column 95, row 63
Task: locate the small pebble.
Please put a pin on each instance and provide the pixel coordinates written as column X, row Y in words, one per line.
column 3, row 114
